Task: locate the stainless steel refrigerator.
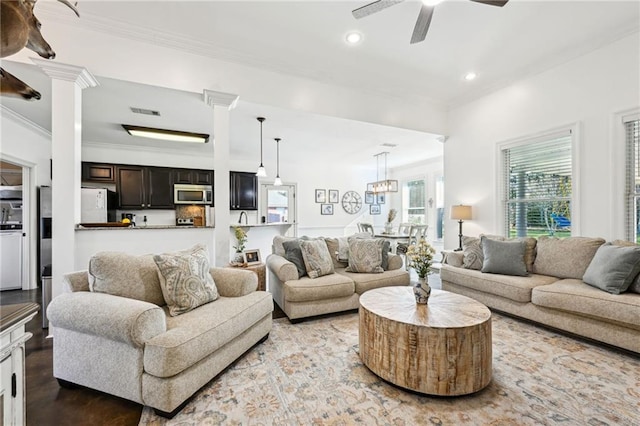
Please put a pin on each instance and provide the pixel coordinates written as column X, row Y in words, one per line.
column 44, row 248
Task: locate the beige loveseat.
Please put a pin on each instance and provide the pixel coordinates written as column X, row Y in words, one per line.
column 133, row 348
column 301, row 297
column 553, row 293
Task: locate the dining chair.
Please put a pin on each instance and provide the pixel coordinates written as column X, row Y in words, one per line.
column 403, row 228
column 366, row 227
column 416, row 232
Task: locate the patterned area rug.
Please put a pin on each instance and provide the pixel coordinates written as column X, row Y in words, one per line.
column 310, row 374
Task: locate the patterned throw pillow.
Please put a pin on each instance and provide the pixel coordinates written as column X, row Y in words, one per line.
column 185, row 279
column 365, row 255
column 472, row 252
column 316, row 258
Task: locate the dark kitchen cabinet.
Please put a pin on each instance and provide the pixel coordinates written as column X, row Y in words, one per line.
column 96, row 172
column 141, row 187
column 243, row 191
column 193, row 177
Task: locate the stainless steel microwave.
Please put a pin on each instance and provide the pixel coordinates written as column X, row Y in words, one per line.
column 192, row 194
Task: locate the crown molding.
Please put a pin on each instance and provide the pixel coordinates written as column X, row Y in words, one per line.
column 144, row 148
column 59, row 71
column 24, row 122
column 213, row 98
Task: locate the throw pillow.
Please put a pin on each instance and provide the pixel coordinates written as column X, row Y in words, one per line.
column 529, row 251
column 125, row 275
column 472, row 251
column 334, row 245
column 185, row 279
column 635, row 284
column 613, row 268
column 365, row 255
column 293, row 254
column 503, row 257
column 565, row 257
column 316, row 257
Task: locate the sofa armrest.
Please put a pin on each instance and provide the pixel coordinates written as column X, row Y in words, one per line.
column 453, row 258
column 75, row 281
column 234, row 282
column 284, row 270
column 116, row 318
column 395, row 262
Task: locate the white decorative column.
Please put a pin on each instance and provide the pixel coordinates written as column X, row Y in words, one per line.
column 222, row 104
column 67, row 82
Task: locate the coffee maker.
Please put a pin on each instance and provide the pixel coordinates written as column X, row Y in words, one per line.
column 131, row 217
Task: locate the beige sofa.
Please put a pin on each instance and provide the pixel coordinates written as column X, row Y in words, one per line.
column 135, row 350
column 336, row 292
column 553, row 293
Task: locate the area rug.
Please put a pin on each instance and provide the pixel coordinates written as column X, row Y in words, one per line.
column 310, row 374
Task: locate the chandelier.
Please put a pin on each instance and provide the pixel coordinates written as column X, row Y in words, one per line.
column 386, row 185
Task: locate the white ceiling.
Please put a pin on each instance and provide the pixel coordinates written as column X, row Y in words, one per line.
column 306, row 38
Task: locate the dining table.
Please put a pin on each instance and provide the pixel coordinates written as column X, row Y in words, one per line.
column 394, row 238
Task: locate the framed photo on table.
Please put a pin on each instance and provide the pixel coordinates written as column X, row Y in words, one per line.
column 374, row 209
column 326, row 209
column 252, row 257
column 333, row 196
column 321, row 195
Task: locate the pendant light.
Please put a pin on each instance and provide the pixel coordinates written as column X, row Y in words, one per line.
column 278, row 181
column 262, row 172
column 386, row 185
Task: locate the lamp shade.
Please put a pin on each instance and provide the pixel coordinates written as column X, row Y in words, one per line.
column 461, row 212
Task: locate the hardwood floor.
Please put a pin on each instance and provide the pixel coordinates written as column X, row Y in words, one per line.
column 48, row 403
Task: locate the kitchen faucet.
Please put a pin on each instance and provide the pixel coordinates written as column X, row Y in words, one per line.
column 246, row 220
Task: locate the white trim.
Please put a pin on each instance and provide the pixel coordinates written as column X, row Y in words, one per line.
column 66, row 72
column 617, row 153
column 24, row 121
column 572, row 129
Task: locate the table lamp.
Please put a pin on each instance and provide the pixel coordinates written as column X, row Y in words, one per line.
column 460, row 213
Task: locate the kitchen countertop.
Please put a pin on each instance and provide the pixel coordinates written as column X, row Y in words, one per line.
column 134, row 228
column 259, row 225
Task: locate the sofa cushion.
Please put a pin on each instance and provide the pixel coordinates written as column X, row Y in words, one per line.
column 565, row 257
column 634, row 287
column 613, row 268
column 364, row 281
column 316, row 257
column 125, row 275
column 330, row 286
column 510, row 287
column 574, row 296
column 365, row 255
column 185, row 279
column 472, row 251
column 503, row 257
column 293, row 253
column 194, row 335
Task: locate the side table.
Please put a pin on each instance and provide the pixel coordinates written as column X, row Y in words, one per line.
column 260, row 270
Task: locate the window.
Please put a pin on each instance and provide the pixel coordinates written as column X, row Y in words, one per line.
column 413, row 202
column 632, row 186
column 537, row 186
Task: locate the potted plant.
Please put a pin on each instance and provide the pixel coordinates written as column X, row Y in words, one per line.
column 420, row 257
column 388, row 227
column 241, row 238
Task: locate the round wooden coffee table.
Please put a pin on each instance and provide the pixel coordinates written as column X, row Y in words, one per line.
column 442, row 348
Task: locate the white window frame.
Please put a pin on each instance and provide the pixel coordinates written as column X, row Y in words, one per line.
column 500, row 222
column 619, row 203
column 404, row 208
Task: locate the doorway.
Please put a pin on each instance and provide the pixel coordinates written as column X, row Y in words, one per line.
column 278, row 205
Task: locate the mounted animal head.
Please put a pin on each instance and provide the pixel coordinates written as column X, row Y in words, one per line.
column 20, row 28
column 13, row 87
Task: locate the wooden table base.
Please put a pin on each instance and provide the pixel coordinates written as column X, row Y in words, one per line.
column 442, row 348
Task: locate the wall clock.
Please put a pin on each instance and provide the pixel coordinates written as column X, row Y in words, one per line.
column 351, row 202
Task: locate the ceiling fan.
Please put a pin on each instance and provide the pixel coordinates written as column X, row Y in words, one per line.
column 424, row 18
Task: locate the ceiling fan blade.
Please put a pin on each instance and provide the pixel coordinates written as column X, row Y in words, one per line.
column 422, row 24
column 374, row 7
column 498, row 3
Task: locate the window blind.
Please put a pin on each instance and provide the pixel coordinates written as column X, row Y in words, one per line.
column 632, row 186
column 537, row 186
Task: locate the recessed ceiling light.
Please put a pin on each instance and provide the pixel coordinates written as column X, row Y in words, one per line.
column 470, row 76
column 353, row 37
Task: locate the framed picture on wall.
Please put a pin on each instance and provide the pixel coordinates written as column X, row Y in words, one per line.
column 252, row 257
column 374, row 209
column 369, row 197
column 333, row 196
column 326, row 209
column 321, row 195
column 381, row 198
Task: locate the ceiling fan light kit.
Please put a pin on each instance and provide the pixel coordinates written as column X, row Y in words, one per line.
column 166, row 135
column 424, row 17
